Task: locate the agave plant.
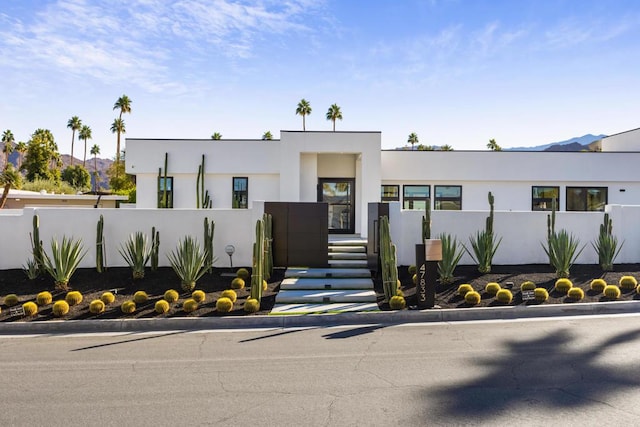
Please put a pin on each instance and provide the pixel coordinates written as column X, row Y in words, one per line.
column 484, row 245
column 136, row 253
column 451, row 255
column 606, row 245
column 66, row 258
column 188, row 261
column 562, row 250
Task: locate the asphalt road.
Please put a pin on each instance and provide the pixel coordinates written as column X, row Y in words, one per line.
column 559, row 371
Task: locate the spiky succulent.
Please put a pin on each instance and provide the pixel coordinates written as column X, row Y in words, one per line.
column 136, row 252
column 188, row 262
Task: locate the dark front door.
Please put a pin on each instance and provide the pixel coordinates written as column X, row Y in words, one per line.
column 339, row 194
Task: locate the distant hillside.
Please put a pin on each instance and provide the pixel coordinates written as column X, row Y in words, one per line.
column 573, row 144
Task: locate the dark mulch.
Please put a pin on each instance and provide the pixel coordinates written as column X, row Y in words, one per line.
column 119, row 281
column 541, row 274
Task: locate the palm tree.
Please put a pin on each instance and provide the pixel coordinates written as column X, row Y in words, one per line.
column 8, row 178
column 493, row 145
column 217, row 136
column 7, row 140
column 446, row 147
column 118, row 127
column 124, row 105
column 303, row 109
column 85, row 133
column 413, row 139
column 334, row 114
column 267, row 136
column 74, row 124
column 21, row 148
column 95, row 150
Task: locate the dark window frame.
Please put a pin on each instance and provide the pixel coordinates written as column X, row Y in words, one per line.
column 387, row 198
column 606, row 198
column 169, row 192
column 437, row 200
column 537, row 201
column 408, row 202
column 237, row 200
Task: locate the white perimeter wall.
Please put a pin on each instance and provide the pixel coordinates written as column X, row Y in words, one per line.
column 233, row 226
column 624, row 141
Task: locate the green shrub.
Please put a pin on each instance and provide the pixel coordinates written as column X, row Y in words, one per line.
column 30, row 308
column 541, row 294
column 229, row 293
column 128, row 307
column 73, row 297
column 243, row 273
column 224, row 305
column 108, row 298
column 527, row 285
column 612, row 292
column 575, row 294
column 189, row 305
column 11, row 300
column 44, row 298
column 472, row 298
column 628, row 282
column 171, row 295
column 60, row 308
column 412, row 269
column 237, row 283
column 492, row 288
column 161, row 306
column 251, row 305
column 504, row 296
column 96, row 306
column 464, row 288
column 598, row 285
column 397, row 302
column 563, row 285
column 199, row 296
column 140, row 297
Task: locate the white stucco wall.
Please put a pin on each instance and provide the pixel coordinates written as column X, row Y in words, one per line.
column 623, row 141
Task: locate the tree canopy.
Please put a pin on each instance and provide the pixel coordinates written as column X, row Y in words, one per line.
column 42, row 160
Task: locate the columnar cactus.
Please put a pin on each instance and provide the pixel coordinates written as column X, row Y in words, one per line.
column 155, row 248
column 203, row 200
column 100, row 245
column 209, row 228
column 426, row 222
column 388, row 260
column 36, row 244
column 268, row 242
column 257, row 272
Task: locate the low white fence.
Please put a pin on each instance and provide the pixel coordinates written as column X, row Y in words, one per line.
column 522, row 232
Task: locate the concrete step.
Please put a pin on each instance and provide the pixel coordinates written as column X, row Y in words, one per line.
column 347, row 263
column 348, row 242
column 327, row 272
column 284, row 309
column 326, row 283
column 325, row 296
column 347, row 255
column 338, row 248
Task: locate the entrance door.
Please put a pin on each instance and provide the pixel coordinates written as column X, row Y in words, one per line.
column 339, row 194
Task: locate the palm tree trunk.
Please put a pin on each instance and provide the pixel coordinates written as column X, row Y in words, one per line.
column 118, row 150
column 304, row 128
column 95, row 173
column 84, row 158
column 73, row 137
column 5, row 194
column 334, row 125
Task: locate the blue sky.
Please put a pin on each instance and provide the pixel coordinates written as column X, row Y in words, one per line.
column 457, row 72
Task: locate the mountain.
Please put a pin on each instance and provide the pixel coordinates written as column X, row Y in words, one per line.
column 573, row 144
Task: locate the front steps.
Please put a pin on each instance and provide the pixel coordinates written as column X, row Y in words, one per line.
column 344, row 287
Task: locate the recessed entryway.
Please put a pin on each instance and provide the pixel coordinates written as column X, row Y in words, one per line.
column 339, row 194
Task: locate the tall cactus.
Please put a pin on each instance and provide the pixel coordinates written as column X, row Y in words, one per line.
column 100, row 245
column 426, row 222
column 388, row 260
column 203, row 200
column 209, row 227
column 36, row 244
column 155, row 248
column 268, row 241
column 489, row 220
column 551, row 220
column 484, row 244
column 257, row 273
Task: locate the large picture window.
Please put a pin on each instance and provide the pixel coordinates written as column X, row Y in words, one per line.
column 542, row 198
column 390, row 193
column 416, row 197
column 586, row 198
column 447, row 197
column 240, row 193
column 165, row 192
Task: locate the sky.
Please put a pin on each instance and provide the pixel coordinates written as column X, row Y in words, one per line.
column 456, row 72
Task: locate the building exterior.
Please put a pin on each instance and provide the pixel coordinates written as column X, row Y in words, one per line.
column 348, row 170
column 19, row 199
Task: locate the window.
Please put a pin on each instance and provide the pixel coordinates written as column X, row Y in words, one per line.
column 416, row 197
column 240, row 193
column 586, row 198
column 447, row 197
column 390, row 193
column 165, row 192
column 542, row 198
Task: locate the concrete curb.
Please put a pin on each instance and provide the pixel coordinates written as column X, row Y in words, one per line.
column 318, row 320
